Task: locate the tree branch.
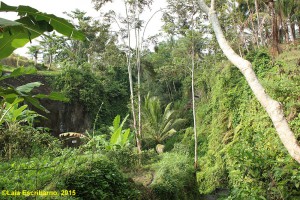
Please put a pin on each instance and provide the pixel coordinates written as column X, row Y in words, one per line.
column 212, row 4
column 203, row 6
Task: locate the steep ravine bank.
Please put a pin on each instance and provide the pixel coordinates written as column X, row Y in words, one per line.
column 63, row 117
column 239, row 148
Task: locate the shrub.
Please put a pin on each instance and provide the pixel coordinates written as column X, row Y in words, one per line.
column 174, row 177
column 91, row 176
column 26, row 141
column 100, row 180
column 125, row 158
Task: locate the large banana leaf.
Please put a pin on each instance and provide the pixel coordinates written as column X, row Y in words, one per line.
column 21, row 71
column 27, row 88
column 18, row 36
column 116, row 122
column 15, row 34
column 125, row 137
column 8, row 23
column 59, row 24
column 116, row 137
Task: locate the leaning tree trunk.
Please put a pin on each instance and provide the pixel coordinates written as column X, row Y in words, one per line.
column 273, row 108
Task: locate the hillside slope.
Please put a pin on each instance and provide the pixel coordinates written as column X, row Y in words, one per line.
column 239, row 148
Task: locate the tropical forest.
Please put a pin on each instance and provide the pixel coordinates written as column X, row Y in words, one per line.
column 206, row 108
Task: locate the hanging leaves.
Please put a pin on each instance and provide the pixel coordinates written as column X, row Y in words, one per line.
column 15, row 34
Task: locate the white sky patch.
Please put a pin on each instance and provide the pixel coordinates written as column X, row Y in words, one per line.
column 58, row 7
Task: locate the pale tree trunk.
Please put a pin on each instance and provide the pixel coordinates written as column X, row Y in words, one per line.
column 138, row 64
column 273, row 108
column 259, row 35
column 193, row 99
column 255, row 37
column 286, row 30
column 290, row 28
column 50, row 61
column 138, row 142
column 194, row 111
column 139, row 134
column 264, row 38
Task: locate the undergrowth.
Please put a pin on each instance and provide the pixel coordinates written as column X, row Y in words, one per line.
column 241, row 148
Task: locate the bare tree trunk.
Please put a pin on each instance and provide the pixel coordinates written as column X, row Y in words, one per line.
column 290, row 30
column 283, row 30
column 138, row 143
column 286, row 30
column 273, row 108
column 275, row 40
column 194, row 111
column 138, row 64
column 50, row 61
column 264, row 38
column 298, row 27
column 259, row 35
column 293, row 31
column 139, row 102
column 193, row 99
column 255, row 32
column 35, row 58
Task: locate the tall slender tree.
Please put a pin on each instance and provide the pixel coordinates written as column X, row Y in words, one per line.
column 137, row 27
column 33, row 51
column 186, row 11
column 193, row 98
column 131, row 22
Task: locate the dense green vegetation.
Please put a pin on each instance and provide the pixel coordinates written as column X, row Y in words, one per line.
column 238, row 144
column 238, row 152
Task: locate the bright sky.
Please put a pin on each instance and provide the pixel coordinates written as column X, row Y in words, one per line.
column 58, row 7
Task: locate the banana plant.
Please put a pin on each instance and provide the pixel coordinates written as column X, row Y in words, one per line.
column 119, row 137
column 15, row 34
column 13, row 114
column 10, row 96
column 32, row 23
column 9, row 109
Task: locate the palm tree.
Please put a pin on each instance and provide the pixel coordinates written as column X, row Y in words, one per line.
column 287, row 9
column 275, row 38
column 159, row 124
column 33, row 51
